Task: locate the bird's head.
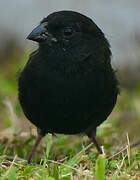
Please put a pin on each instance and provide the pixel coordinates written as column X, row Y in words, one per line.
column 69, row 31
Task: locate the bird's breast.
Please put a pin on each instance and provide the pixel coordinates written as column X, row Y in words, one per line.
column 63, row 83
column 61, row 94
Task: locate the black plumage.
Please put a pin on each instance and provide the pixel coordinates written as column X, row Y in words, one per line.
column 68, row 85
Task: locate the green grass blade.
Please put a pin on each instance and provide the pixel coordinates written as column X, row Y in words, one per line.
column 100, row 167
column 49, row 143
column 67, row 167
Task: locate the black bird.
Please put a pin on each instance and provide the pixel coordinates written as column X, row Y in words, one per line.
column 68, row 85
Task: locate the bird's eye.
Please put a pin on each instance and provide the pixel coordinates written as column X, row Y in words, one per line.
column 68, row 31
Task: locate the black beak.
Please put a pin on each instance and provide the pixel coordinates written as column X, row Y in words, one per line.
column 40, row 34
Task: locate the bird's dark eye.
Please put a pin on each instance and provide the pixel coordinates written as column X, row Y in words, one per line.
column 68, row 31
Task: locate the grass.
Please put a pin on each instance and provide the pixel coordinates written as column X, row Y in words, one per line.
column 80, row 166
column 68, row 157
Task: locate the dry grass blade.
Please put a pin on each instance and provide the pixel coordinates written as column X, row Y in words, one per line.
column 12, row 163
column 119, row 167
column 76, row 170
column 128, row 148
column 117, row 153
